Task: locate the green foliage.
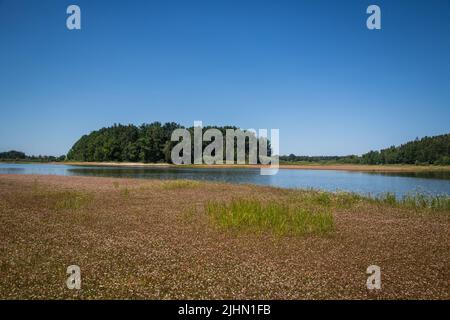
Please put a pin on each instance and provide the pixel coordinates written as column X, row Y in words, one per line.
column 12, row 155
column 347, row 199
column 180, row 184
column 428, row 150
column 147, row 143
column 417, row 201
column 388, row 198
column 62, row 200
column 277, row 218
column 125, row 192
column 71, row 200
column 21, row 156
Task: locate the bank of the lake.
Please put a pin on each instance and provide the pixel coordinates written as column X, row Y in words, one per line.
column 314, row 166
column 400, row 168
column 367, row 183
column 135, row 238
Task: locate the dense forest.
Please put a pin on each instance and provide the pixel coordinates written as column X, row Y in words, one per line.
column 12, row 155
column 151, row 143
column 146, row 143
column 21, row 156
column 428, row 150
column 129, row 143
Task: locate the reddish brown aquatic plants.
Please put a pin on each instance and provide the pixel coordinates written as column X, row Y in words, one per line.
column 157, row 241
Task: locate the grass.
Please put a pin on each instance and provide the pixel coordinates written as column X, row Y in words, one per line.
column 167, row 244
column 305, row 212
column 180, row 184
column 125, row 192
column 278, row 218
column 65, row 200
column 71, row 200
column 61, row 199
column 336, row 200
column 416, row 201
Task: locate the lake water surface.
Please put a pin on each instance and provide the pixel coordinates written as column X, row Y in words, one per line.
column 330, row 180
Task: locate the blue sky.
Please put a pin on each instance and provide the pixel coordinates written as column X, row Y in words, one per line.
column 310, row 68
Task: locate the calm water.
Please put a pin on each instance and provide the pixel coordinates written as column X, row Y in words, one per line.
column 364, row 183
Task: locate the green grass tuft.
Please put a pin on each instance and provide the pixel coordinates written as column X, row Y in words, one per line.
column 61, row 200
column 277, row 218
column 71, row 200
column 125, row 192
column 180, row 184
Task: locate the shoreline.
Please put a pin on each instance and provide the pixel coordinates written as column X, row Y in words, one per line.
column 404, row 168
column 156, row 240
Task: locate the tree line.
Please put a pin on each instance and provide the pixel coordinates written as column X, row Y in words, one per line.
column 14, row 155
column 146, row 143
column 149, row 143
column 152, row 143
column 428, row 150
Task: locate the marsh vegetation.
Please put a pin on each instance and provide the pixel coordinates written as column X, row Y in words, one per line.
column 196, row 240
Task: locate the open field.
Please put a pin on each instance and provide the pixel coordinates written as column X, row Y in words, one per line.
column 192, row 240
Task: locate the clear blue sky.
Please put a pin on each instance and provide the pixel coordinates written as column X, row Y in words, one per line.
column 310, row 68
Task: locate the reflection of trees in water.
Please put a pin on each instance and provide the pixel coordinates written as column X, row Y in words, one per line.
column 11, row 170
column 443, row 175
column 219, row 174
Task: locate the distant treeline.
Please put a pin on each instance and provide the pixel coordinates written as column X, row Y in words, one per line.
column 129, row 143
column 428, row 150
column 21, row 156
column 151, row 143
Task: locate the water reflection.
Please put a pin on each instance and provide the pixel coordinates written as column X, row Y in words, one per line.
column 427, row 175
column 11, row 170
column 361, row 182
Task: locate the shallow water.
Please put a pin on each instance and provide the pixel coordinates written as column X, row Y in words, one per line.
column 330, row 180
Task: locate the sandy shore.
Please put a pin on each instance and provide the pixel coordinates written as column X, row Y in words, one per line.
column 343, row 167
column 153, row 240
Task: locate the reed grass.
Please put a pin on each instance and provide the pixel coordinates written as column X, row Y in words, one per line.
column 416, row 201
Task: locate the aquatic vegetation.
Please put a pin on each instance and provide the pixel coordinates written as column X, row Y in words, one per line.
column 173, row 244
column 418, row 200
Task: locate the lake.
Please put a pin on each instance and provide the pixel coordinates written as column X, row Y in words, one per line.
column 330, row 180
